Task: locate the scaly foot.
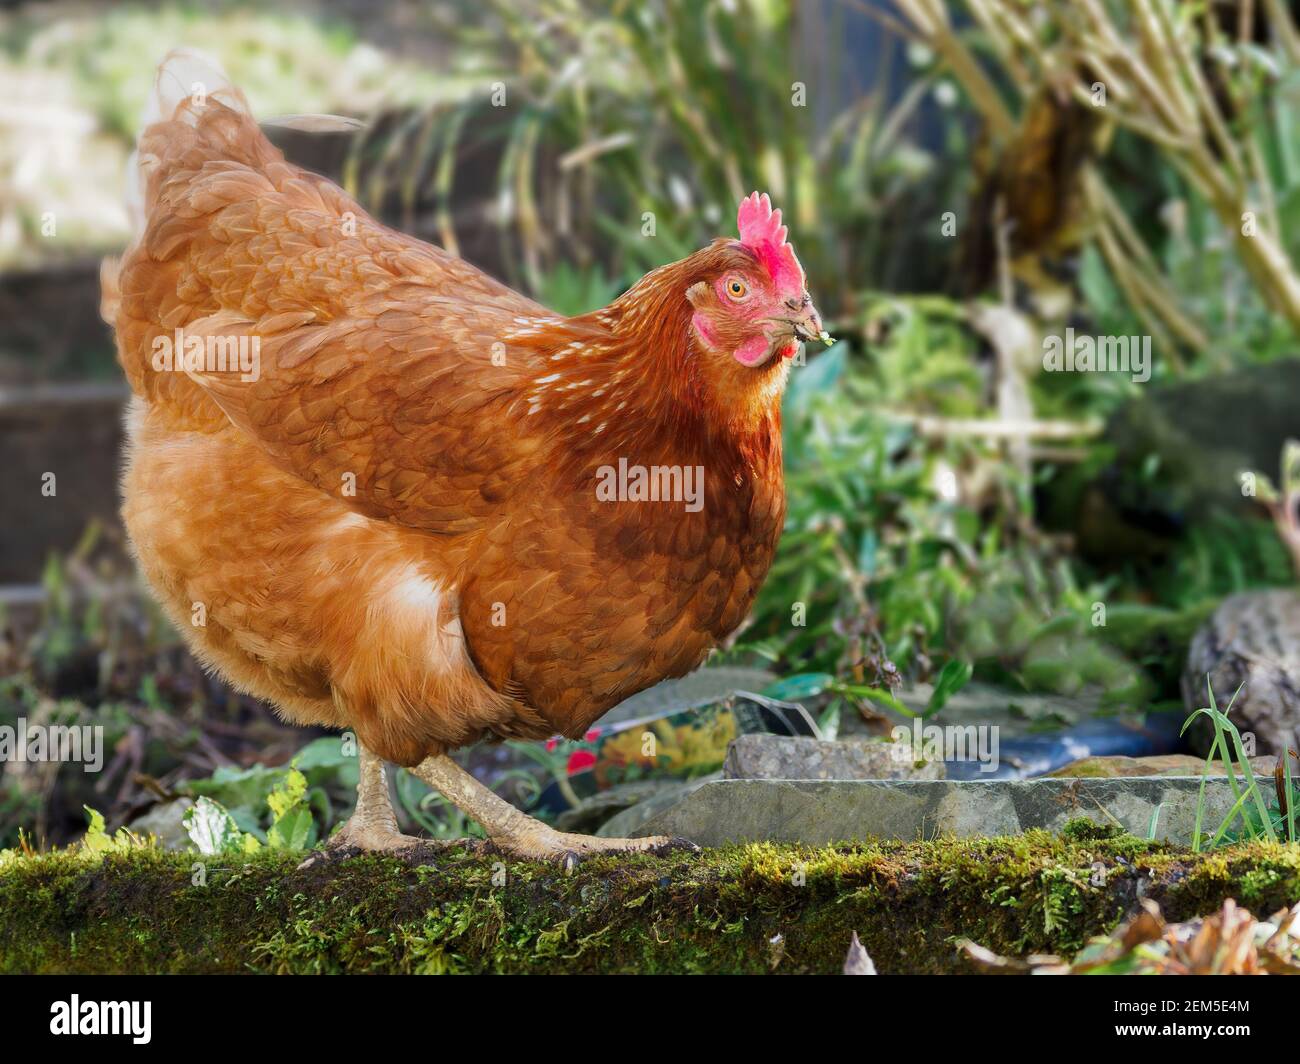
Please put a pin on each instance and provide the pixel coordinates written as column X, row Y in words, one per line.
column 538, row 842
column 514, row 832
column 372, row 827
column 372, row 837
column 368, row 836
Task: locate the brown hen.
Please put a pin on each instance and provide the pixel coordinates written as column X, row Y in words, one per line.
column 386, row 493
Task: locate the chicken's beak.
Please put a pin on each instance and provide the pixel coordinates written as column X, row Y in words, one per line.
column 807, row 324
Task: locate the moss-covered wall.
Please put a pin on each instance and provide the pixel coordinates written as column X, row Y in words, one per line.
column 756, row 909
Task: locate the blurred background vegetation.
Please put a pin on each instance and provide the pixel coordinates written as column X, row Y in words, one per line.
column 961, row 180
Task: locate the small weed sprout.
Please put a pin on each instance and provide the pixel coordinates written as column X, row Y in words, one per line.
column 1259, row 819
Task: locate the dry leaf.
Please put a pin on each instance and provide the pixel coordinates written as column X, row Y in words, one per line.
column 858, row 962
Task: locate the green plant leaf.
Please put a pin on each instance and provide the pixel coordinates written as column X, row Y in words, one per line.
column 801, row 685
column 325, row 752
column 211, row 828
column 287, row 794
column 292, row 831
column 97, row 840
column 952, row 678
column 292, row 825
column 875, row 694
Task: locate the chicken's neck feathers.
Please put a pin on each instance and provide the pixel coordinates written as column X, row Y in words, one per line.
column 628, row 380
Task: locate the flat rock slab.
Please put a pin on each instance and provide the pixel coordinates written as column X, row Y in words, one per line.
column 821, row 812
column 785, row 757
column 1164, row 765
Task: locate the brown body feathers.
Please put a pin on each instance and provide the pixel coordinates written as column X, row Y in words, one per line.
column 394, row 524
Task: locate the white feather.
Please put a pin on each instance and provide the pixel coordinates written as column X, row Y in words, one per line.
column 183, row 74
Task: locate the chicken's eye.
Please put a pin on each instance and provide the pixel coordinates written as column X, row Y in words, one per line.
column 737, row 289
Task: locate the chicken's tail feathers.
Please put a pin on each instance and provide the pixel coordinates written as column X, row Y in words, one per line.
column 188, row 75
column 187, row 80
column 192, row 88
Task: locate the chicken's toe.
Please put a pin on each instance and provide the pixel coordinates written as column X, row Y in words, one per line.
column 514, row 832
column 364, row 836
column 372, row 828
column 538, row 842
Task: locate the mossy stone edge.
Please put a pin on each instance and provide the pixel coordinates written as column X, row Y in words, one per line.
column 757, row 908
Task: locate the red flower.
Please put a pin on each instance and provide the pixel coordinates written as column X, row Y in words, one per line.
column 551, row 744
column 580, row 759
column 591, row 736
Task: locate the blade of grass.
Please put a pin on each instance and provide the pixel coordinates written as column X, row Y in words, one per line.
column 1223, row 727
column 1290, row 795
column 1200, row 802
column 1252, row 785
column 1155, row 821
column 1233, row 813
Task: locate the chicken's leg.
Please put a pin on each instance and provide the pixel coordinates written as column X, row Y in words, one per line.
column 373, row 824
column 514, row 831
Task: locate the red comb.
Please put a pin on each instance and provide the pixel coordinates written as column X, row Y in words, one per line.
column 762, row 232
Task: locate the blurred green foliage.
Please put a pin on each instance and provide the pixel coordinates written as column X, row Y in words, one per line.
column 631, row 132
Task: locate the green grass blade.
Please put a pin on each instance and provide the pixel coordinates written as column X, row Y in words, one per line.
column 1249, row 789
column 1155, row 820
column 1233, row 813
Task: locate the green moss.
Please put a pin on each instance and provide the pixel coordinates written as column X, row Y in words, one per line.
column 1082, row 829
column 752, row 909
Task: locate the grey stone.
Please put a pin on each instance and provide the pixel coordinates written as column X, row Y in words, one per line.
column 164, row 821
column 783, row 757
column 1251, row 639
column 818, row 812
column 591, row 812
column 627, row 824
column 1117, row 766
column 1200, row 435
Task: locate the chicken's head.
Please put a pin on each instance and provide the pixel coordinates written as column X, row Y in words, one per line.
column 753, row 306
